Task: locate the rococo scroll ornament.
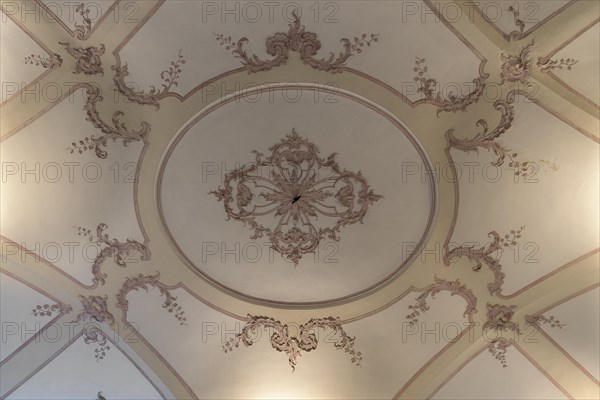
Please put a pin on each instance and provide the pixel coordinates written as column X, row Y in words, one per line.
column 118, row 130
column 95, row 308
column 486, row 139
column 144, row 282
column 293, row 346
column 169, row 76
column 87, row 59
column 82, row 30
column 515, row 68
column 451, row 103
column 296, row 39
column 500, row 318
column 294, row 189
column 440, row 285
column 488, row 254
column 119, row 251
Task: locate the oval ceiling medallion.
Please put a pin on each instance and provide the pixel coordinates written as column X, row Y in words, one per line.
column 296, row 195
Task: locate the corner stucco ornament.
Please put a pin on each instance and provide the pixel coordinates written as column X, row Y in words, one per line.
column 300, row 190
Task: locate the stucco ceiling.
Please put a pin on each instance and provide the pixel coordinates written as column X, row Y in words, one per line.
column 353, row 199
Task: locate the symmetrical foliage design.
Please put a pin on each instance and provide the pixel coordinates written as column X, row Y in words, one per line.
column 454, row 287
column 170, row 79
column 515, row 68
column 296, row 39
column 44, row 61
column 453, row 102
column 293, row 346
column 118, row 130
column 488, row 255
column 119, row 251
column 88, row 59
column 302, row 188
column 142, row 281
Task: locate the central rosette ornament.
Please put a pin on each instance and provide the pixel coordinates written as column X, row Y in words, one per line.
column 294, row 197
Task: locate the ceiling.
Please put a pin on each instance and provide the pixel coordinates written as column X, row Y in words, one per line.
column 353, row 199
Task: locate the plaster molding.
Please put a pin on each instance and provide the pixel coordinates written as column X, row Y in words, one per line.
column 293, row 346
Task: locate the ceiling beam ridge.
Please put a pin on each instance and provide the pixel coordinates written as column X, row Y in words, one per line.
column 560, row 368
column 574, row 277
column 152, row 359
column 37, row 22
column 443, row 366
column 30, row 267
column 565, row 26
column 485, row 41
column 38, row 353
column 122, row 21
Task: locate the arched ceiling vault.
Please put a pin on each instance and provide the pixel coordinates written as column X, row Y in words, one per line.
column 401, row 198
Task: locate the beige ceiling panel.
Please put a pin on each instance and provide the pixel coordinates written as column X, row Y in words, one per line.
column 26, row 314
column 76, row 374
column 24, row 58
column 42, row 164
column 584, row 50
column 391, row 350
column 78, row 18
column 510, row 16
column 579, row 337
column 353, row 199
column 549, row 176
column 521, row 380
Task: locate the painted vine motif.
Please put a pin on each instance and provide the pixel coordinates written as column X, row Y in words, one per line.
column 50, row 310
column 44, row 61
column 548, row 64
column 298, row 40
column 82, row 30
column 301, row 189
column 497, row 348
column 538, row 319
column 293, row 346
